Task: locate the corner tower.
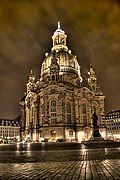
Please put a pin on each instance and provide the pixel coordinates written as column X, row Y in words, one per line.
column 92, row 82
column 31, row 82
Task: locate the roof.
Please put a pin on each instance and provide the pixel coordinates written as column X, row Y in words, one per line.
column 113, row 114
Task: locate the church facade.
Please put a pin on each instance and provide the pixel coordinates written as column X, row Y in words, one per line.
column 58, row 107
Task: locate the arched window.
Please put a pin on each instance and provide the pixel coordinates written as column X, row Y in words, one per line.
column 43, row 108
column 53, row 112
column 32, row 114
column 68, row 113
column 56, row 41
column 84, row 114
column 53, row 77
column 84, row 108
column 53, row 106
column 68, row 107
column 71, row 133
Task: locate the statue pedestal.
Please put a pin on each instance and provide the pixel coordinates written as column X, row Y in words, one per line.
column 96, row 136
column 94, row 139
column 96, row 133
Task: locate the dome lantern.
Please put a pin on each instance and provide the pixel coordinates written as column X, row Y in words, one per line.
column 59, row 38
column 68, row 65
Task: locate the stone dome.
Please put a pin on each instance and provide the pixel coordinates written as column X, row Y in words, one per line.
column 67, row 62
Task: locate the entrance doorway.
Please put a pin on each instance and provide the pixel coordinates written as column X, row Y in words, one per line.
column 53, row 134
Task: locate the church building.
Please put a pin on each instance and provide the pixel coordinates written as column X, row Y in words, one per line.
column 58, row 107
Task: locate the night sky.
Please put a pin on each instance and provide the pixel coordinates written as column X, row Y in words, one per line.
column 26, row 28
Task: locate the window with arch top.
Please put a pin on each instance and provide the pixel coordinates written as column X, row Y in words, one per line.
column 68, row 107
column 53, row 112
column 53, row 106
column 68, row 112
column 71, row 133
column 84, row 108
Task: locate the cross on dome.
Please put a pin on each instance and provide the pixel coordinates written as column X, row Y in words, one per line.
column 58, row 25
column 58, row 30
column 31, row 72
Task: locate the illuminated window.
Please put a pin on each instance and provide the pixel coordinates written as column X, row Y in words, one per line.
column 71, row 133
column 53, row 118
column 62, row 41
column 56, row 41
column 84, row 114
column 53, row 112
column 31, row 115
column 53, row 106
column 68, row 112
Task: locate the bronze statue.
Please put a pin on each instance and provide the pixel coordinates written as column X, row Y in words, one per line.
column 95, row 119
column 96, row 132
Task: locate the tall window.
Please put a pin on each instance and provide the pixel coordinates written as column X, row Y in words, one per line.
column 53, row 112
column 84, row 114
column 53, row 77
column 32, row 114
column 69, row 113
column 71, row 134
column 43, row 108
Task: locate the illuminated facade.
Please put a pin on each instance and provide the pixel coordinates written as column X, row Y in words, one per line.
column 113, row 125
column 9, row 130
column 58, row 106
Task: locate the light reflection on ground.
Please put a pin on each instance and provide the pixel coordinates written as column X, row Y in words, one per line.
column 65, row 161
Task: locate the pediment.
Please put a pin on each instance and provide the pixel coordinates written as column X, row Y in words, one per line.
column 53, row 89
column 84, row 92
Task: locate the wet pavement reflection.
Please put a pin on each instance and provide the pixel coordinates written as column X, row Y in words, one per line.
column 59, row 161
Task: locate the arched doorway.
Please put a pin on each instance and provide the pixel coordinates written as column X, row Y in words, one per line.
column 71, row 135
column 53, row 134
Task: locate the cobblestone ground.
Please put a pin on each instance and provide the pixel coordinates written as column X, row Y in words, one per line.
column 102, row 163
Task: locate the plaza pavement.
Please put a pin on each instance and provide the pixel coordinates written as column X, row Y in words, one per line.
column 62, row 164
